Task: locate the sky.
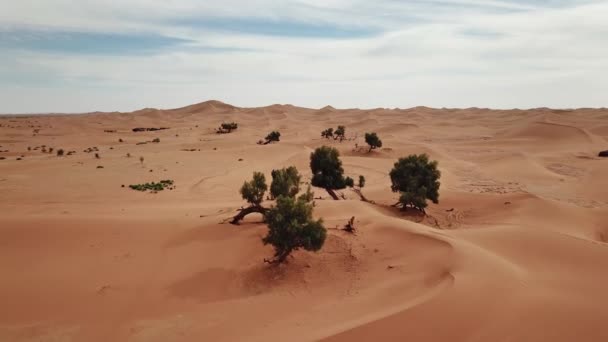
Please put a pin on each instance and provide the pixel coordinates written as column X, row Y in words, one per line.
column 119, row 55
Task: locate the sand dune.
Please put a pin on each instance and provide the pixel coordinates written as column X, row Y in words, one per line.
column 515, row 250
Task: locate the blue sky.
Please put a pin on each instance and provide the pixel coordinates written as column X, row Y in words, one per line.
column 66, row 56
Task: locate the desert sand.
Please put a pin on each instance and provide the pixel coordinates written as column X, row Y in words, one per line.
column 516, row 249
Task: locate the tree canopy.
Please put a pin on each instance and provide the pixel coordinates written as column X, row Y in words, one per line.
column 273, row 136
column 416, row 179
column 253, row 191
column 291, row 227
column 328, row 133
column 327, row 169
column 373, row 141
column 285, row 182
column 340, row 133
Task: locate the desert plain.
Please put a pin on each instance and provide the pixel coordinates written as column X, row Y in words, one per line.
column 515, row 250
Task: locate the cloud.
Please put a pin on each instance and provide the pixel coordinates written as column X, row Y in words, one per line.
column 456, row 53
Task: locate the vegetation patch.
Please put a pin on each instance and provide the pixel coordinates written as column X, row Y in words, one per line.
column 153, row 186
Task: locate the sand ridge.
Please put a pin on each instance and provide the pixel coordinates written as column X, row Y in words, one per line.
column 514, row 251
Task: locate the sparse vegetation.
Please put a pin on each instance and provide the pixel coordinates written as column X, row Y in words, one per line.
column 227, row 127
column 97, row 156
column 291, row 227
column 361, row 182
column 153, row 186
column 50, row 150
column 60, row 152
column 340, row 133
column 373, row 141
column 416, row 179
column 141, row 160
column 327, row 170
column 156, row 140
column 328, row 133
column 272, row 136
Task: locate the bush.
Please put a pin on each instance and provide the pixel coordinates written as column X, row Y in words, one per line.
column 417, row 179
column 60, row 152
column 97, row 156
column 228, row 127
column 340, row 133
column 273, row 136
column 253, row 191
column 156, row 140
column 154, row 187
column 373, row 141
column 285, row 182
column 327, row 168
column 361, row 182
column 291, row 227
column 328, row 133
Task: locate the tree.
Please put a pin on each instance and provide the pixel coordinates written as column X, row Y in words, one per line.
column 373, row 141
column 227, row 127
column 285, row 182
column 272, row 136
column 252, row 192
column 328, row 133
column 416, row 179
column 361, row 182
column 327, row 170
column 340, row 133
column 291, row 227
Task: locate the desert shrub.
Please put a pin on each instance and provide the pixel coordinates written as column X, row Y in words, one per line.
column 328, row 133
column 291, row 227
column 228, row 127
column 153, row 186
column 120, row 140
column 273, row 136
column 349, row 182
column 141, row 160
column 416, row 179
column 253, row 191
column 373, row 141
column 97, row 156
column 156, row 140
column 51, row 150
column 60, row 152
column 340, row 133
column 361, row 181
column 285, row 182
column 326, row 168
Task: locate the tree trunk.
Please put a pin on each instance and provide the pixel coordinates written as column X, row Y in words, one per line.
column 246, row 211
column 333, row 194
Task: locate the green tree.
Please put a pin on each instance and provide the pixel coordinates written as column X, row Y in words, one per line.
column 252, row 192
column 416, row 179
column 291, row 227
column 308, row 196
column 327, row 171
column 361, row 182
column 373, row 141
column 340, row 133
column 328, row 133
column 272, row 136
column 285, row 182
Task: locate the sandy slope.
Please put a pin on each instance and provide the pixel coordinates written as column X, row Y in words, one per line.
column 515, row 251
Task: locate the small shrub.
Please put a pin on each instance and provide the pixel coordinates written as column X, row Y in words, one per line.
column 153, row 186
column 60, row 152
column 156, row 140
column 361, row 182
column 340, row 133
column 141, row 160
column 328, row 133
column 273, row 136
column 373, row 141
column 97, row 156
